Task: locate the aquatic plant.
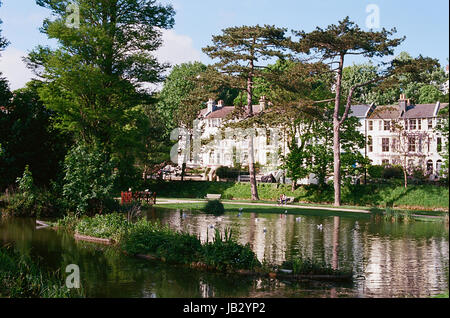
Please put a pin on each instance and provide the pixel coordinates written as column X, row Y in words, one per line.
column 146, row 237
column 307, row 266
column 112, row 226
column 22, row 277
column 398, row 216
column 224, row 253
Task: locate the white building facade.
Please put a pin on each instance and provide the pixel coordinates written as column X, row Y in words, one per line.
column 211, row 146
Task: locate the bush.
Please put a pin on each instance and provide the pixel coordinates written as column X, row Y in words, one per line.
column 227, row 173
column 31, row 201
column 174, row 247
column 111, row 226
column 89, row 179
column 224, row 253
column 392, row 172
column 375, row 172
column 215, row 207
column 153, row 238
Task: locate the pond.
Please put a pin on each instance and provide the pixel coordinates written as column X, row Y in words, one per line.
column 388, row 259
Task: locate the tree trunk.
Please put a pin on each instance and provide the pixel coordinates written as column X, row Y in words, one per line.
column 405, row 175
column 336, row 136
column 294, row 183
column 183, row 170
column 251, row 155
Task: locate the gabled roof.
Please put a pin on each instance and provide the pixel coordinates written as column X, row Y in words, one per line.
column 223, row 112
column 385, row 112
column 360, row 111
column 422, row 110
column 412, row 111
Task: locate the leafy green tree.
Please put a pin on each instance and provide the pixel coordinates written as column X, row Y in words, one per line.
column 89, row 179
column 239, row 51
column 177, row 86
column 96, row 74
column 29, row 136
column 422, row 90
column 429, row 94
column 320, row 148
column 346, row 38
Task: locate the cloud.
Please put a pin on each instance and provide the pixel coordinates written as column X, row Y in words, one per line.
column 177, row 49
column 14, row 69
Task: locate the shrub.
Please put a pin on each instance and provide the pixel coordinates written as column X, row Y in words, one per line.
column 375, row 172
column 89, row 179
column 392, row 172
column 226, row 173
column 153, row 238
column 215, row 207
column 111, row 226
column 224, row 253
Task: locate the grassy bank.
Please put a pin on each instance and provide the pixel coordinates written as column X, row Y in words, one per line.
column 147, row 238
column 419, row 197
column 22, row 277
column 292, row 209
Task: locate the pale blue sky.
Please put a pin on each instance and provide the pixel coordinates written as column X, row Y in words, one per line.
column 424, row 23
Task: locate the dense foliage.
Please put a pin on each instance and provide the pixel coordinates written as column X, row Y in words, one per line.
column 22, row 277
column 111, row 226
column 89, row 179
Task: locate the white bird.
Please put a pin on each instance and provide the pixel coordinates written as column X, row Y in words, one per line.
column 319, row 227
column 256, row 220
column 219, row 219
column 285, row 212
column 265, row 230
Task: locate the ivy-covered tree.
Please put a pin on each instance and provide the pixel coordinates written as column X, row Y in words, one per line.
column 239, row 51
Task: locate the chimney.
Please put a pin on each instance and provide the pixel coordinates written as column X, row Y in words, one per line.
column 221, row 103
column 263, row 102
column 403, row 103
column 211, row 105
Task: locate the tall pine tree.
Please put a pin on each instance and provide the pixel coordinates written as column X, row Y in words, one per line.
column 239, row 51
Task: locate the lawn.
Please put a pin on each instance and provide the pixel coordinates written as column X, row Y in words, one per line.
column 417, row 197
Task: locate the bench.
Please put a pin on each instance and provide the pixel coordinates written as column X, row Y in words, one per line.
column 139, row 196
column 213, row 196
column 288, row 200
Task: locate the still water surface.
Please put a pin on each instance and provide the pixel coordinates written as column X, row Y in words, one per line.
column 388, row 259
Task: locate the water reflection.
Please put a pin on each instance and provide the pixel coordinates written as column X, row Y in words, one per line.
column 395, row 260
